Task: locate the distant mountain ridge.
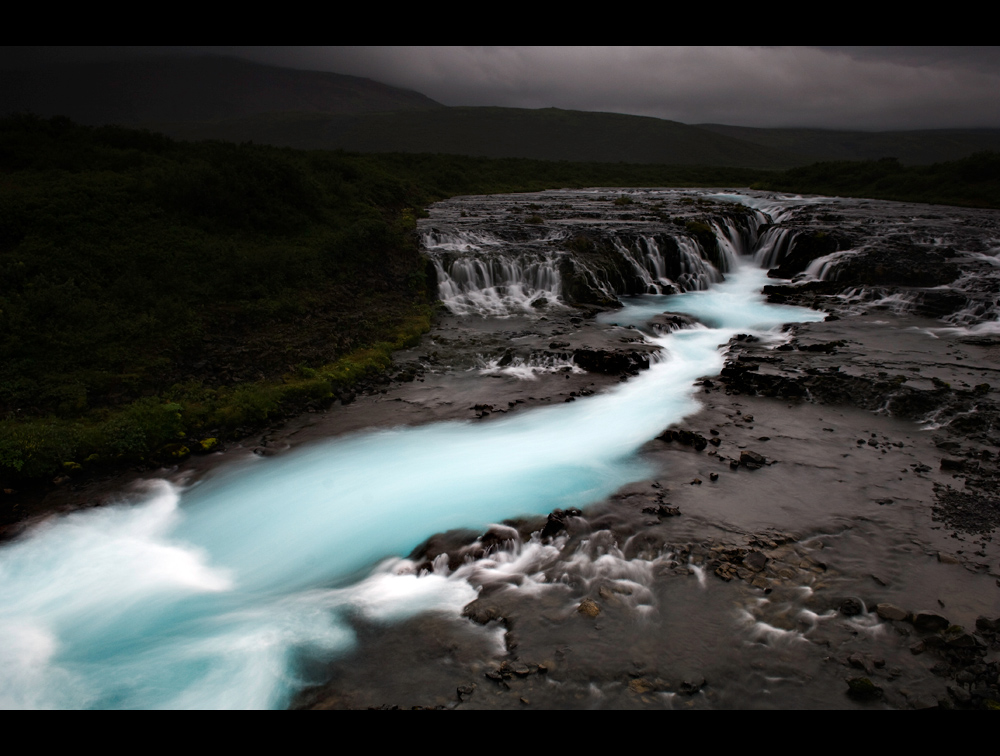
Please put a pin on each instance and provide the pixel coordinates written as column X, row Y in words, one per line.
column 214, row 97
column 186, row 89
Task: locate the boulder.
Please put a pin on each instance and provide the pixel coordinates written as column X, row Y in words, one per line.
column 686, row 437
column 891, row 612
column 930, row 621
column 611, row 362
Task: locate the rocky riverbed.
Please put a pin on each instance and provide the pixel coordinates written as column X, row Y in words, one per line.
column 817, row 533
column 821, row 533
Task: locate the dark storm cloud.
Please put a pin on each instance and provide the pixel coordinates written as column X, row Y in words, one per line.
column 832, row 87
column 979, row 58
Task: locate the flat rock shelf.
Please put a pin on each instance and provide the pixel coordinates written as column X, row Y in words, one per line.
column 662, row 449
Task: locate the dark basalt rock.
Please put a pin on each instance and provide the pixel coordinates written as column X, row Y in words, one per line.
column 806, row 248
column 969, row 511
column 452, row 542
column 851, row 607
column 903, row 265
column 937, row 304
column 863, row 689
column 556, row 522
column 891, row 612
column 686, row 437
column 499, row 538
column 752, row 460
column 482, row 611
column 930, row 621
column 834, row 387
column 611, row 362
column 668, row 322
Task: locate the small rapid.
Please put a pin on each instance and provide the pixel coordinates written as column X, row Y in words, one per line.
column 229, row 593
column 217, row 595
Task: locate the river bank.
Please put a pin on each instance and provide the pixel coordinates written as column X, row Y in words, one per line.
column 785, row 539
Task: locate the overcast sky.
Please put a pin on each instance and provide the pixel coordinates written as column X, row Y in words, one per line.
column 871, row 88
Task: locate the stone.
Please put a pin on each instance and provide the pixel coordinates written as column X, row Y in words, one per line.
column 957, row 637
column 930, row 621
column 465, row 691
column 891, row 612
column 640, row 686
column 589, row 608
column 482, row 612
column 610, row 362
column 755, row 560
column 520, row 669
column 851, row 607
column 985, row 624
column 861, row 661
column 961, row 695
column 692, row 686
column 863, row 689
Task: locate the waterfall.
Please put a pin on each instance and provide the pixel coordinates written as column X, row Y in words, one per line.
column 733, row 242
column 774, row 246
column 459, row 240
column 226, row 593
column 498, row 284
column 697, row 273
column 825, row 268
column 480, row 273
column 648, row 263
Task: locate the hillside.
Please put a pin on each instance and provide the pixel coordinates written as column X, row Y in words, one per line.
column 156, row 291
column 909, row 147
column 213, row 97
column 543, row 134
column 192, row 89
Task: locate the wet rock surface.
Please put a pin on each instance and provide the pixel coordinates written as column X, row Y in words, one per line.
column 851, row 474
column 837, row 547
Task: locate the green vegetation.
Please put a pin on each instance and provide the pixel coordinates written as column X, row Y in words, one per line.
column 911, row 147
column 973, row 181
column 156, row 296
column 539, row 134
column 152, row 291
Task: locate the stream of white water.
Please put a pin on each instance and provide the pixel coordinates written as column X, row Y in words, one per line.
column 210, row 596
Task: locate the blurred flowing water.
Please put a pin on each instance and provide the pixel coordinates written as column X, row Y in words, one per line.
column 216, row 596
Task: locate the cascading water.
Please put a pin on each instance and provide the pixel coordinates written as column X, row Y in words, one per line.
column 476, row 274
column 697, row 274
column 774, row 246
column 216, row 595
column 647, row 262
column 733, row 242
column 690, row 267
column 497, row 284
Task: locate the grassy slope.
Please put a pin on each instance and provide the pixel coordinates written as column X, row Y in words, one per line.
column 909, row 147
column 973, row 181
column 544, row 134
column 198, row 88
column 154, row 294
column 152, row 291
